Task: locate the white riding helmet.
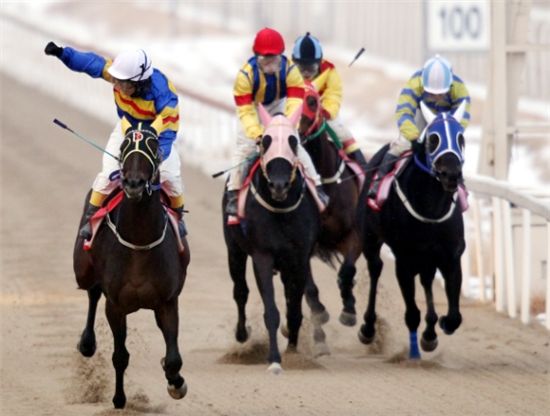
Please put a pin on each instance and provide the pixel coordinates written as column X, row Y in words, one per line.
column 437, row 75
column 131, row 66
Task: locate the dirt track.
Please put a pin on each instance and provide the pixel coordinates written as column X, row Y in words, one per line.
column 491, row 366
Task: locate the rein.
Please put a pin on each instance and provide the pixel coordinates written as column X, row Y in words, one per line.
column 270, row 207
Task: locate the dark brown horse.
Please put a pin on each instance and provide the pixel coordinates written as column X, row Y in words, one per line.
column 135, row 262
column 339, row 233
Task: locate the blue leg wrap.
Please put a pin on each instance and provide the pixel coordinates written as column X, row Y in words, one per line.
column 414, row 352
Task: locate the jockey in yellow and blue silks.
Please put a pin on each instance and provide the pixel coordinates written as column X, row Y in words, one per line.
column 441, row 90
column 308, row 56
column 273, row 80
column 142, row 94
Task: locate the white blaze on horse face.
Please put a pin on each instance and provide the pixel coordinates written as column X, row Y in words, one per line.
column 428, row 115
column 280, row 129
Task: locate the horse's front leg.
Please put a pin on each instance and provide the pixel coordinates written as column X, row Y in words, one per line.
column 87, row 343
column 346, row 280
column 168, row 322
column 429, row 342
column 405, row 277
column 117, row 322
column 237, row 269
column 263, row 270
column 452, row 276
column 294, row 282
column 371, row 251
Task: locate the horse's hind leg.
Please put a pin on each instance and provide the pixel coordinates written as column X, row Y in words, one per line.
column 168, row 321
column 319, row 314
column 375, row 264
column 237, row 269
column 121, row 357
column 346, row 275
column 87, row 343
column 428, row 342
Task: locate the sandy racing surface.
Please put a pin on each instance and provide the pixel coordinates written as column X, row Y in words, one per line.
column 490, row 366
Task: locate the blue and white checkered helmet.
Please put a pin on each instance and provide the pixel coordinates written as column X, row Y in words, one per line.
column 437, row 75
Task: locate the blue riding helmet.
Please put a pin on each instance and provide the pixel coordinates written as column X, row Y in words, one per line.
column 437, row 75
column 307, row 50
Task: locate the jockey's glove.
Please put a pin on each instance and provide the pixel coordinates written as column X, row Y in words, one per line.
column 53, row 49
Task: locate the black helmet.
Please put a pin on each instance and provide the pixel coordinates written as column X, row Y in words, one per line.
column 307, row 50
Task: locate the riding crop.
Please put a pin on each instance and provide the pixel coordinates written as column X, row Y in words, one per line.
column 90, row 142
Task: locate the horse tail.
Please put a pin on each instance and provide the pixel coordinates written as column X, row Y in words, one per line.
column 327, row 255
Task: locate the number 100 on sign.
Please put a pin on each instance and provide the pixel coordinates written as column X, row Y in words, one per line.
column 458, row 25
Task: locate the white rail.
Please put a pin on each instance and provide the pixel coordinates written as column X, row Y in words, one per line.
column 507, row 256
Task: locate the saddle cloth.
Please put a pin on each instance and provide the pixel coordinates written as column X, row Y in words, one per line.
column 112, row 202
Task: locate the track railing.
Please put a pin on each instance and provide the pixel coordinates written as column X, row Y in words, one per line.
column 508, row 232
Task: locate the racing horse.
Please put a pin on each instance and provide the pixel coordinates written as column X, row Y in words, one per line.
column 135, row 261
column 422, row 223
column 278, row 232
column 339, row 233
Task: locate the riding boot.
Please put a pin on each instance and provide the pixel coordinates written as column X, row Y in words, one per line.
column 383, row 169
column 325, row 199
column 231, row 205
column 181, row 223
column 358, row 156
column 86, row 229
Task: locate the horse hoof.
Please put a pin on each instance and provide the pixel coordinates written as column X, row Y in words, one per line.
column 177, row 393
column 428, row 346
column 243, row 336
column 363, row 338
column 119, row 401
column 347, row 318
column 320, row 349
column 320, row 318
column 275, row 368
column 86, row 350
column 284, row 331
column 443, row 326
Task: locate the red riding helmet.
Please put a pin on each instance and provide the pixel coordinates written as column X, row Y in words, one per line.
column 268, row 42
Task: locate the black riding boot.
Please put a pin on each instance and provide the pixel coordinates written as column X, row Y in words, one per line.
column 181, row 223
column 359, row 158
column 325, row 199
column 231, row 204
column 383, row 169
column 86, row 230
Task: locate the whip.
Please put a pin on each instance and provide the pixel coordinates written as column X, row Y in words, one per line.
column 90, row 142
column 357, row 55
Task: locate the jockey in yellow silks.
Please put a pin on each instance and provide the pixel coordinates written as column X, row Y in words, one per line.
column 273, row 80
column 142, row 94
column 308, row 56
column 441, row 90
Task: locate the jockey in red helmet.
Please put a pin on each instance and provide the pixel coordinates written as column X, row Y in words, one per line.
column 308, row 56
column 142, row 94
column 271, row 79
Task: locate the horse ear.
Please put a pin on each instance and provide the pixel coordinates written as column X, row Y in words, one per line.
column 429, row 116
column 265, row 118
column 125, row 125
column 459, row 112
column 295, row 116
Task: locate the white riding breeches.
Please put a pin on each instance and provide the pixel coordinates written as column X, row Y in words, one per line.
column 402, row 144
column 246, row 146
column 341, row 131
column 170, row 172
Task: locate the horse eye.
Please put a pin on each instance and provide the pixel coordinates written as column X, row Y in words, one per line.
column 293, row 142
column 266, row 142
column 433, row 143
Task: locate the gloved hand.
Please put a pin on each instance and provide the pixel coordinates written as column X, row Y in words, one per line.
column 416, row 146
column 53, row 49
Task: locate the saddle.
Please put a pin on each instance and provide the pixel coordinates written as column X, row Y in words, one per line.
column 385, row 185
column 113, row 200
